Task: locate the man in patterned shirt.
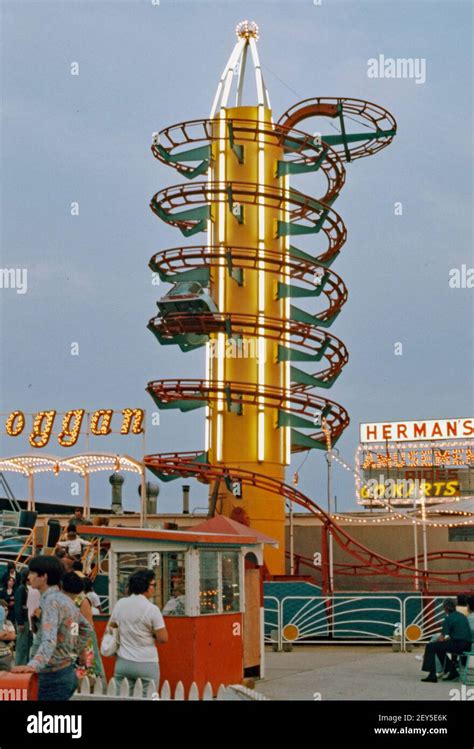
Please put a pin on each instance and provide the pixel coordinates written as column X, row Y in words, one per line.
column 63, row 633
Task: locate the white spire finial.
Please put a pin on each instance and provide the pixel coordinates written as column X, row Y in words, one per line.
column 247, row 36
column 246, row 30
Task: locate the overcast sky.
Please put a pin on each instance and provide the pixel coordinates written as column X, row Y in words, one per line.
column 86, row 138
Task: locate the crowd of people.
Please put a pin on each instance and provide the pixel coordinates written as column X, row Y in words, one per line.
column 446, row 650
column 46, row 618
column 46, row 622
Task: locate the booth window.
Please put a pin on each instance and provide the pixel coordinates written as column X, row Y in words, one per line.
column 174, row 583
column 219, row 582
column 230, row 581
column 128, row 562
column 208, row 583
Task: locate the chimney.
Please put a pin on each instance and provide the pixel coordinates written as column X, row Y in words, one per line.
column 116, row 479
column 152, row 491
column 186, row 499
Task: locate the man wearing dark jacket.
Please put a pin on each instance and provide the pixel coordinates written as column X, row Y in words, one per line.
column 455, row 637
column 23, row 641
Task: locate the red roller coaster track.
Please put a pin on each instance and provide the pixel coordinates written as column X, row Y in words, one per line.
column 187, row 207
column 185, row 464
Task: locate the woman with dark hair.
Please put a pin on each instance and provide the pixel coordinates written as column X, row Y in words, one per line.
column 7, row 639
column 141, row 627
column 7, row 594
column 23, row 643
column 11, row 574
column 73, row 586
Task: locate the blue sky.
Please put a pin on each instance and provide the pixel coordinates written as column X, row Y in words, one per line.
column 86, row 138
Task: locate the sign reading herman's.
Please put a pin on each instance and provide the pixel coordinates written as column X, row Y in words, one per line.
column 401, row 461
column 409, row 431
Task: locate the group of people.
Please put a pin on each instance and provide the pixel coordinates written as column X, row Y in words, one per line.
column 65, row 646
column 46, row 621
column 443, row 653
column 46, row 618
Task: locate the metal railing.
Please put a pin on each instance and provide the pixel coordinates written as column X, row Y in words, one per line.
column 353, row 619
column 423, row 617
column 342, row 619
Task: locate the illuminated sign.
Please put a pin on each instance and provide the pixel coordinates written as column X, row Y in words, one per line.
column 414, row 458
column 401, row 473
column 389, row 488
column 409, row 431
column 98, row 424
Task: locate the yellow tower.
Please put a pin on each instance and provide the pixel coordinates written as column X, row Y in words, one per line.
column 242, row 423
column 232, row 294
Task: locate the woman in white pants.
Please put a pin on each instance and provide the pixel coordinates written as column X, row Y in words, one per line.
column 141, row 626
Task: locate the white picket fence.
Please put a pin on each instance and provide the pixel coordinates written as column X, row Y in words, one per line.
column 101, row 690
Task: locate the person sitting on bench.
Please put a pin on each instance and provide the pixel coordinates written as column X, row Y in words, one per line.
column 455, row 637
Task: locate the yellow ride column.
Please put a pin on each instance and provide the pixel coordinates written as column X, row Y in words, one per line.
column 243, row 435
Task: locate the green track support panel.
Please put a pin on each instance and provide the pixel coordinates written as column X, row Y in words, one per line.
column 182, row 405
column 238, row 150
column 290, row 290
column 202, row 168
column 166, row 477
column 190, row 405
column 293, row 144
column 329, row 321
column 202, row 214
column 201, row 226
column 192, row 346
column 201, row 153
column 299, row 315
column 236, row 273
column 235, row 208
column 301, row 440
column 343, row 131
column 203, row 458
column 235, row 408
column 295, row 252
column 303, row 378
column 286, row 228
column 293, row 420
column 203, row 275
column 337, row 140
column 285, row 353
column 292, row 167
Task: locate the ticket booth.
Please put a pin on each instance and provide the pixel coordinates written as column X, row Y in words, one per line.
column 212, row 614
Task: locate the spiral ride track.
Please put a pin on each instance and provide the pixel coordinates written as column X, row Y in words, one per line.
column 194, row 149
column 167, row 466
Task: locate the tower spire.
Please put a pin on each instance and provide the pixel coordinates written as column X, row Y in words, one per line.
column 247, row 36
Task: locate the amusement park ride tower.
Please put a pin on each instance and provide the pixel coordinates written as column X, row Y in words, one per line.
column 233, row 295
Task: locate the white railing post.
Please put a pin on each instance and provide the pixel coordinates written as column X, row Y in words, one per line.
column 179, row 692
column 166, row 691
column 207, row 694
